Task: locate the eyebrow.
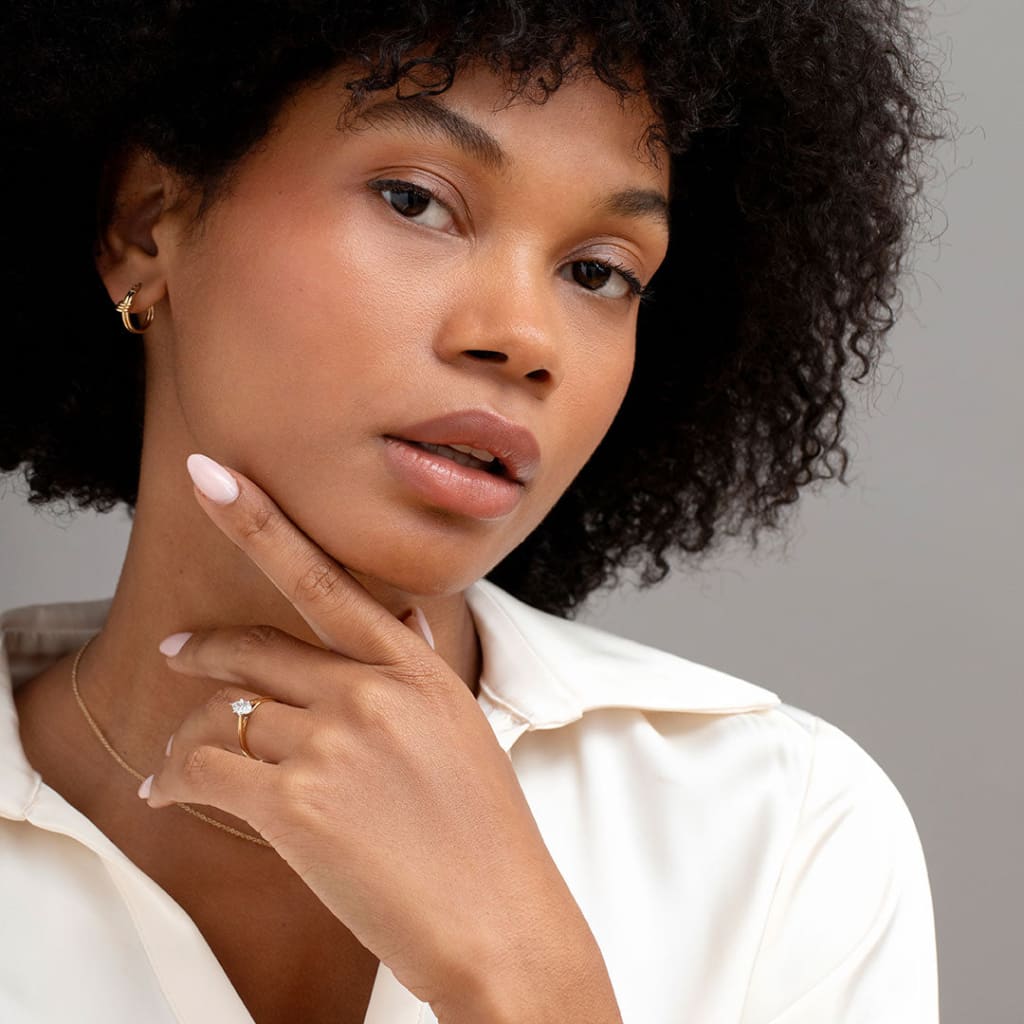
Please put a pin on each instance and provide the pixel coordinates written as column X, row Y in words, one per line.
column 433, row 120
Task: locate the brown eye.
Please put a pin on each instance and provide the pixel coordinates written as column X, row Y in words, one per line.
column 406, row 201
column 595, row 274
column 411, row 202
column 591, row 274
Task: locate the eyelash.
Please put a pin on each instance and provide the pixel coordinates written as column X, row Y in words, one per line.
column 637, row 290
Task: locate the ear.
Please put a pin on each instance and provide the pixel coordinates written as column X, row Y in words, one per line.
column 139, row 198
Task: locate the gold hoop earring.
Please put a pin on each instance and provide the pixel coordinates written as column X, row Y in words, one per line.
column 124, row 307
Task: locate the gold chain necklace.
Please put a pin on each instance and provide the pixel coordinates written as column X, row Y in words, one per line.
column 259, row 840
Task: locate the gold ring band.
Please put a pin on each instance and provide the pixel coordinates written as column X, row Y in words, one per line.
column 251, row 704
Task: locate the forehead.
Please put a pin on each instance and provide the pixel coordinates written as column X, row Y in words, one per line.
column 583, row 122
column 480, row 88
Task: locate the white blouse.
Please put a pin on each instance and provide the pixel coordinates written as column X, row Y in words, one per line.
column 738, row 860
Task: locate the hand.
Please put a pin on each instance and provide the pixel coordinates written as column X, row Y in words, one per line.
column 381, row 781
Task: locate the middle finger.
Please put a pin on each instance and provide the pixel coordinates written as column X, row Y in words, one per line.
column 264, row 658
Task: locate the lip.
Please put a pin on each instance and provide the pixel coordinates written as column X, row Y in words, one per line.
column 513, row 444
column 443, row 483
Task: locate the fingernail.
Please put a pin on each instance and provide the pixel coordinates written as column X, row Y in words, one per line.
column 425, row 627
column 147, row 785
column 170, row 645
column 167, row 749
column 212, row 479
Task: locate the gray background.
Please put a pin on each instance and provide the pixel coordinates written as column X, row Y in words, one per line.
column 892, row 609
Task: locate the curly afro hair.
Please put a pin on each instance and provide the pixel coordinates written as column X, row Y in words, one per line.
column 797, row 136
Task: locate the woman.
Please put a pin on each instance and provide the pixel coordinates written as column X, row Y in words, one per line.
column 371, row 318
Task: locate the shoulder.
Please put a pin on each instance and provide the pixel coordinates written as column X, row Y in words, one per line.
column 850, row 931
column 825, row 794
column 554, row 672
column 770, row 833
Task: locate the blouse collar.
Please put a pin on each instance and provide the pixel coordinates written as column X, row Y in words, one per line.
column 539, row 671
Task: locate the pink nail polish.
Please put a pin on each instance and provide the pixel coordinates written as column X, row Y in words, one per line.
column 212, row 479
column 147, row 785
column 424, row 626
column 170, row 645
column 167, row 749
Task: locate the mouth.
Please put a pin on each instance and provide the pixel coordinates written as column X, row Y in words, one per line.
column 447, row 478
column 463, row 455
column 479, row 440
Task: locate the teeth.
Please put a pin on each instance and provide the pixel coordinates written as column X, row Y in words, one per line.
column 476, row 452
column 457, row 454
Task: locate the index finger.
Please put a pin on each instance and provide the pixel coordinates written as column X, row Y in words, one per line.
column 338, row 608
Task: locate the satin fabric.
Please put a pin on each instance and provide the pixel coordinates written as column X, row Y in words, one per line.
column 739, row 860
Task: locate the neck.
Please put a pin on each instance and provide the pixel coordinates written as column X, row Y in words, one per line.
column 181, row 573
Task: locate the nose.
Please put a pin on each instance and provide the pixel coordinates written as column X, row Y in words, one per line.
column 507, row 318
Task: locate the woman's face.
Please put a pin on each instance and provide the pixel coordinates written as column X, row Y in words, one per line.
column 324, row 307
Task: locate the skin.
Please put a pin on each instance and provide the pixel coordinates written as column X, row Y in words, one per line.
column 282, row 348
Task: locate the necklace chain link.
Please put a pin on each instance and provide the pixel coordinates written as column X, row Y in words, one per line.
column 259, row 840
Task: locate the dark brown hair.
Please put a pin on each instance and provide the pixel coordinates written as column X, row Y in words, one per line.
column 797, row 134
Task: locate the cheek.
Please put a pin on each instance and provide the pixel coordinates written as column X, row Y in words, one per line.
column 605, row 389
column 587, row 413
column 282, row 300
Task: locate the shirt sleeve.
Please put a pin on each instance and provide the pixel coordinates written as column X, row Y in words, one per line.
column 850, row 936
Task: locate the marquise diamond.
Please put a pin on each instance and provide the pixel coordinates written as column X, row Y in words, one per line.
column 242, row 706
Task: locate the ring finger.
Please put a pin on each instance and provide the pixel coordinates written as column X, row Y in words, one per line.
column 273, row 729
